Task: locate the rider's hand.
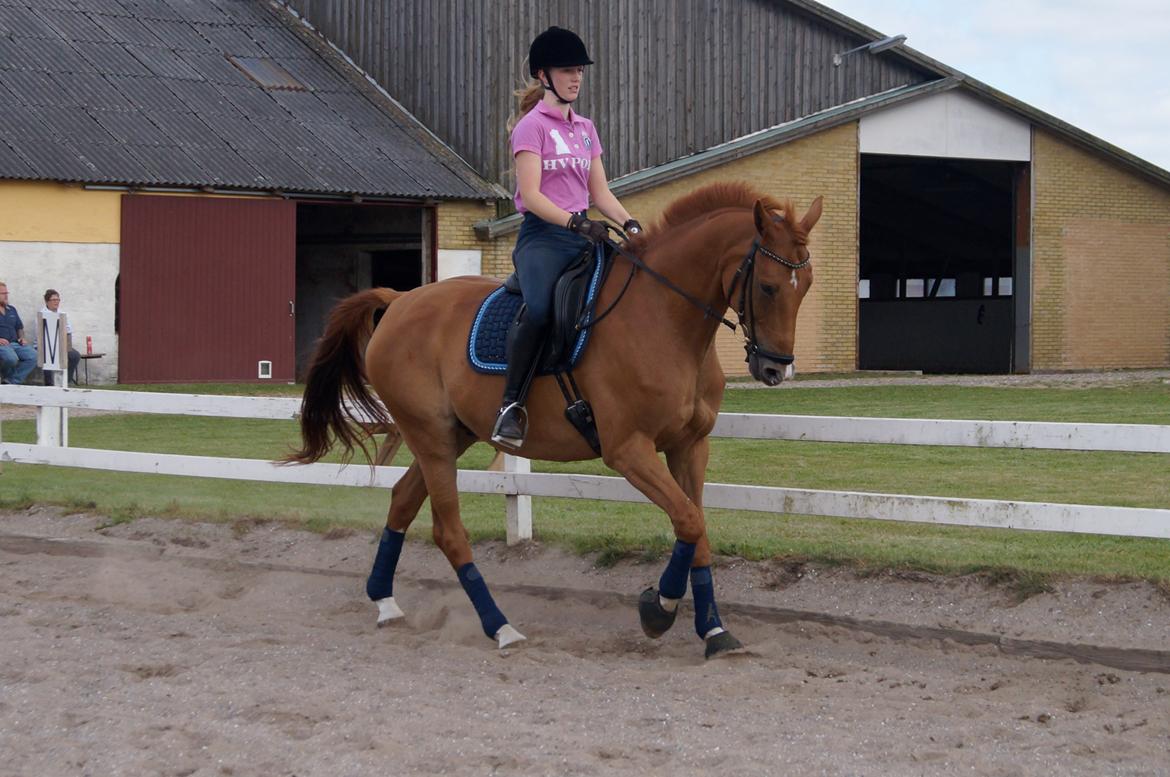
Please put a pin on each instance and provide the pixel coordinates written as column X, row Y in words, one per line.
column 593, row 231
column 632, row 228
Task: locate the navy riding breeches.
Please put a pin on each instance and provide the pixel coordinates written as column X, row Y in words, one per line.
column 543, row 252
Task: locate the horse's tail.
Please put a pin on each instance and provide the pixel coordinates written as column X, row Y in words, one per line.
column 337, row 399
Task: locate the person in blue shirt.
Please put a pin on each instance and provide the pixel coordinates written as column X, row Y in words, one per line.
column 17, row 358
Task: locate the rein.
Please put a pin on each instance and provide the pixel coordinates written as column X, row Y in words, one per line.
column 638, row 264
column 745, row 310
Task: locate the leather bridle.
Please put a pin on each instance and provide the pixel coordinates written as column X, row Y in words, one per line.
column 746, row 307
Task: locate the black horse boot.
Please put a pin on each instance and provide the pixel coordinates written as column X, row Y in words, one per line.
column 524, row 349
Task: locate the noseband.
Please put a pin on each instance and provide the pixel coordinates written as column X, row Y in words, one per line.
column 746, row 307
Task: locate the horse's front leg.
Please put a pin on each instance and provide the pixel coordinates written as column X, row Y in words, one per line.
column 688, row 465
column 637, row 460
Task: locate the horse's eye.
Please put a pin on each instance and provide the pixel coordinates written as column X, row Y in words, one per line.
column 768, row 289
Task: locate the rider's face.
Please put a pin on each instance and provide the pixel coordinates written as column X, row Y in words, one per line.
column 567, row 81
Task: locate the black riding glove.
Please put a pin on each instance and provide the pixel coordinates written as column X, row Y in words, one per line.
column 593, row 231
column 632, row 228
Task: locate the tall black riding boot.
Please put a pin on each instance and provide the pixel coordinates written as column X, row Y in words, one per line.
column 524, row 349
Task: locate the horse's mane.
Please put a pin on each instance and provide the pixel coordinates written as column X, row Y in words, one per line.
column 723, row 194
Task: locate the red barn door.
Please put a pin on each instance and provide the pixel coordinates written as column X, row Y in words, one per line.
column 207, row 289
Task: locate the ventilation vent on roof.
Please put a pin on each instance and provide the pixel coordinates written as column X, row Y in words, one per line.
column 267, row 73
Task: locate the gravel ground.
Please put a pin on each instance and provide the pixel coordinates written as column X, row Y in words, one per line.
column 164, row 647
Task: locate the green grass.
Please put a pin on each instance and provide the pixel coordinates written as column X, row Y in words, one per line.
column 616, row 530
column 1141, row 403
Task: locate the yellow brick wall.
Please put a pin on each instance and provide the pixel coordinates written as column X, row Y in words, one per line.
column 455, row 227
column 1101, row 263
column 823, row 164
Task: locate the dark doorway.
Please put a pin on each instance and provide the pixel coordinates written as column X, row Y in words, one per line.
column 345, row 248
column 938, row 261
column 400, row 270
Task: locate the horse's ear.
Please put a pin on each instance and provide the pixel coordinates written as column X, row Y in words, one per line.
column 813, row 216
column 761, row 217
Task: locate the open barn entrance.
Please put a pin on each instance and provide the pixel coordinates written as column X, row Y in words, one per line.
column 345, row 248
column 941, row 264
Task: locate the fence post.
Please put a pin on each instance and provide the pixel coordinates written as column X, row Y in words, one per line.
column 53, row 346
column 519, row 505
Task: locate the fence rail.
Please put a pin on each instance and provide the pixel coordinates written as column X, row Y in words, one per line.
column 518, row 484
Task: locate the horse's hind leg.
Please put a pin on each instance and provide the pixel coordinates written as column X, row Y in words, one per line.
column 436, row 457
column 406, row 498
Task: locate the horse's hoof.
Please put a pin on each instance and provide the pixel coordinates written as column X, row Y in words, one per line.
column 508, row 636
column 388, row 611
column 722, row 644
column 656, row 619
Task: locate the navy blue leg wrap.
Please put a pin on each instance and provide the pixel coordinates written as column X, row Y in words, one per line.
column 477, row 591
column 380, row 584
column 703, row 589
column 673, row 583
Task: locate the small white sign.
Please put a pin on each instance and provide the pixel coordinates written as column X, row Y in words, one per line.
column 52, row 342
column 453, row 263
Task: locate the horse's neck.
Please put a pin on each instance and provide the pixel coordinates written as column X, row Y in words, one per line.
column 694, row 256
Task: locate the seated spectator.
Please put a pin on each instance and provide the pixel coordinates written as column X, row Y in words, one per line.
column 17, row 358
column 53, row 305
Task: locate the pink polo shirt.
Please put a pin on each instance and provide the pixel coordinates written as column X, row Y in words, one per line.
column 566, row 147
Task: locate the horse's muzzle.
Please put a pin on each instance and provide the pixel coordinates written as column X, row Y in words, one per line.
column 771, row 372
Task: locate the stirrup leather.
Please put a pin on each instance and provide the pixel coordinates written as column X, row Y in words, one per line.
column 511, row 426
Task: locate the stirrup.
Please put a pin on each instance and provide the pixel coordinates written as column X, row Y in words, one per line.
column 512, row 437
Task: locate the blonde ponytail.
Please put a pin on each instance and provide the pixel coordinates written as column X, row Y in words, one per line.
column 528, row 95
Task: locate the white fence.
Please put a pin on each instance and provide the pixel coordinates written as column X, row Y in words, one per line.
column 518, row 484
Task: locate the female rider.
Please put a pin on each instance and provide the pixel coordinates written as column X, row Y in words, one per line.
column 558, row 172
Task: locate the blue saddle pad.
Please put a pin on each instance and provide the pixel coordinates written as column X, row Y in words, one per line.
column 486, row 346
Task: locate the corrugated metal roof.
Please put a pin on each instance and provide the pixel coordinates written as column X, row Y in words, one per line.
column 91, row 90
column 19, row 20
column 163, row 62
column 132, row 127
column 110, row 58
column 11, row 165
column 142, row 92
column 72, row 25
column 180, row 169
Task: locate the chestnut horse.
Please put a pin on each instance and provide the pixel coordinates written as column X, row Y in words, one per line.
column 650, row 372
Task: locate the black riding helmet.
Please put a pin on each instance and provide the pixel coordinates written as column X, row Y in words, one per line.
column 556, row 47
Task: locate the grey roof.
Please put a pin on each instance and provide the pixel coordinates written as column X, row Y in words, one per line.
column 146, row 92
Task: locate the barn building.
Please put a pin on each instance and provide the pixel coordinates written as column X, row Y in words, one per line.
column 964, row 230
column 202, row 178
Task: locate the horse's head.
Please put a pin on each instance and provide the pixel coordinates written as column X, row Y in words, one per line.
column 777, row 275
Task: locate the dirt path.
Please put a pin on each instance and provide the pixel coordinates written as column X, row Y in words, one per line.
column 173, row 648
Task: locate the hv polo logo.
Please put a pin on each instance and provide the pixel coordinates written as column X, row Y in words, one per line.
column 562, row 150
column 562, row 146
